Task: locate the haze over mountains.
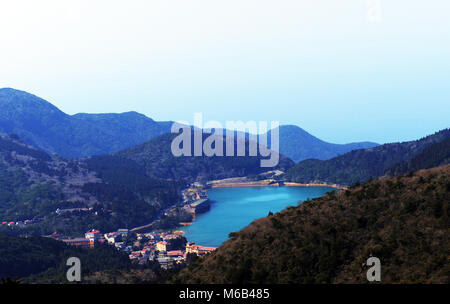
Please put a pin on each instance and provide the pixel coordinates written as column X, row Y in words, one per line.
column 44, row 126
column 299, row 145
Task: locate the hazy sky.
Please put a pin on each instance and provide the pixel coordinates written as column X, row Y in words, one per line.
column 342, row 70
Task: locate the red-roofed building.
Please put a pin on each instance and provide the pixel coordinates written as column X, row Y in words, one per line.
column 175, row 253
column 199, row 250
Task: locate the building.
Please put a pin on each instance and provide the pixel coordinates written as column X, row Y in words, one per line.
column 175, row 253
column 200, row 206
column 165, row 262
column 112, row 238
column 161, row 246
column 80, row 242
column 93, row 235
column 198, row 250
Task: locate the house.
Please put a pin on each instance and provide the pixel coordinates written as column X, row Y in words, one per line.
column 161, row 246
column 198, row 250
column 165, row 262
column 112, row 237
column 93, row 235
column 79, row 242
column 175, row 253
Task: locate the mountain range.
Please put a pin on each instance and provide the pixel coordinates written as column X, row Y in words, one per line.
column 155, row 156
column 89, row 194
column 401, row 216
column 365, row 164
column 44, row 126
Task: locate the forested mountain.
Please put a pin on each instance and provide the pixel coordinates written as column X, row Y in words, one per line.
column 44, row 126
column 362, row 165
column 45, row 258
column 433, row 156
column 298, row 145
column 157, row 159
column 105, row 193
column 403, row 221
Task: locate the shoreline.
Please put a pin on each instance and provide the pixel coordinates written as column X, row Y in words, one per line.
column 286, row 184
column 184, row 225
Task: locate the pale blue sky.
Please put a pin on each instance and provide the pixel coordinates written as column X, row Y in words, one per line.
column 324, row 65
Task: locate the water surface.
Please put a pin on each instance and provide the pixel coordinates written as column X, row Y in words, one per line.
column 235, row 208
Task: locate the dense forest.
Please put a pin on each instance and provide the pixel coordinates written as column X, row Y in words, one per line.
column 404, row 221
column 103, row 192
column 157, row 159
column 362, row 165
column 43, row 260
column 437, row 154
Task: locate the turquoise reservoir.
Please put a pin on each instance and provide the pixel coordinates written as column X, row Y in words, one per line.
column 235, row 208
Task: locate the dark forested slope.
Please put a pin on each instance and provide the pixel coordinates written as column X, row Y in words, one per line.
column 21, row 257
column 404, row 221
column 362, row 165
column 104, row 193
column 157, row 159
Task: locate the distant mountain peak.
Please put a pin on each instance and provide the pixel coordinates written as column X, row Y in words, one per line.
column 44, row 126
column 16, row 98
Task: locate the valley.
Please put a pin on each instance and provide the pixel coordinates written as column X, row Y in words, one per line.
column 156, row 217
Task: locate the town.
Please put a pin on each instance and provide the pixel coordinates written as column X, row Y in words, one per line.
column 168, row 248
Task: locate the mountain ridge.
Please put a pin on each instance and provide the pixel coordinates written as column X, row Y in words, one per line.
column 294, row 139
column 362, row 165
column 95, row 194
column 44, row 126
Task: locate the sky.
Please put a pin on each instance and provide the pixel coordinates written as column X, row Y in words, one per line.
column 345, row 71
